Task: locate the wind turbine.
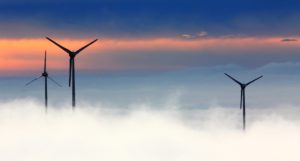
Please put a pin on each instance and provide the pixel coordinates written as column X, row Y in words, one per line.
column 72, row 55
column 46, row 76
column 242, row 101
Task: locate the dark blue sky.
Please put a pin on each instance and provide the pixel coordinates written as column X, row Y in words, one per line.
column 131, row 18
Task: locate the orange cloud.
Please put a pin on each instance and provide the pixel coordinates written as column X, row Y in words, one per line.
column 27, row 54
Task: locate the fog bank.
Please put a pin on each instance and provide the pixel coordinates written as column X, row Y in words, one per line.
column 141, row 133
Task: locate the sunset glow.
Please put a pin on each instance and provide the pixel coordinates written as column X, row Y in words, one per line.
column 28, row 53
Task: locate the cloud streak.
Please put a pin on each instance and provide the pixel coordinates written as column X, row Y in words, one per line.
column 289, row 40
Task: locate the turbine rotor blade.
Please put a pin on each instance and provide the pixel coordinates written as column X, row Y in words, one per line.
column 54, row 81
column 254, row 80
column 244, row 98
column 45, row 62
column 241, row 101
column 32, row 80
column 60, row 46
column 70, row 71
column 233, row 79
column 79, row 50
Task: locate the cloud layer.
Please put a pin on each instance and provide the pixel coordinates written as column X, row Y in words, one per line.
column 142, row 134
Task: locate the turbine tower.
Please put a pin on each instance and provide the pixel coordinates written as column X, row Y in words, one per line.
column 242, row 101
column 72, row 55
column 46, row 76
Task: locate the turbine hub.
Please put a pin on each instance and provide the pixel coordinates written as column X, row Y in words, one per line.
column 45, row 74
column 243, row 86
column 72, row 55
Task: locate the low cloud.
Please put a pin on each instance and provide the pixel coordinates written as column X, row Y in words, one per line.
column 142, row 134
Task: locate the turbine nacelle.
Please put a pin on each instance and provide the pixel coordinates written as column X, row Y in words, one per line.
column 72, row 55
column 243, row 86
column 45, row 74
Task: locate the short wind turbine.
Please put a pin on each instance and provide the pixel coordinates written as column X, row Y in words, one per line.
column 243, row 97
column 72, row 55
column 46, row 76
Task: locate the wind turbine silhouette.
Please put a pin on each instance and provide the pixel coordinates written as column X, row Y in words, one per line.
column 46, row 76
column 72, row 55
column 242, row 101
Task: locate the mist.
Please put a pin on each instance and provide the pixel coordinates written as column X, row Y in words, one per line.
column 185, row 115
column 188, row 88
column 144, row 133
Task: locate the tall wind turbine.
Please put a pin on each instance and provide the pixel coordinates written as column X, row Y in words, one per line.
column 46, row 76
column 72, row 55
column 242, row 101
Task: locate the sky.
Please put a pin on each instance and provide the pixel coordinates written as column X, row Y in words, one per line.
column 148, row 18
column 148, row 36
column 153, row 51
